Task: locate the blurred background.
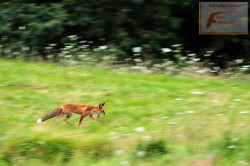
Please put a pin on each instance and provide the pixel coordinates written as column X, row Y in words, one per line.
column 36, row 27
column 173, row 97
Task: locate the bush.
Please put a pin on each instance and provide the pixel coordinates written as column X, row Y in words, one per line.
column 47, row 151
column 151, row 148
column 55, row 150
column 228, row 146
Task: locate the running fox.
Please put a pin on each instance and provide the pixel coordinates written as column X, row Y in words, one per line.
column 81, row 109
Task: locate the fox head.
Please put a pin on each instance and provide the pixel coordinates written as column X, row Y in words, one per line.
column 101, row 105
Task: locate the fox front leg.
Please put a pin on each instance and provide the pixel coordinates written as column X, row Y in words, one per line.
column 81, row 118
column 97, row 120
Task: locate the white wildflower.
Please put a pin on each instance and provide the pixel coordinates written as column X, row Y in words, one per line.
column 198, row 92
column 196, row 59
column 103, row 47
column 48, row 48
column 172, row 123
column 69, row 47
column 242, row 162
column 116, row 137
column 138, row 60
column 8, row 51
column 16, row 53
column 191, row 54
column 81, row 55
column 84, row 41
column 201, row 71
column 231, row 146
column 216, row 68
column 210, row 52
column 183, row 58
column 176, row 45
column 244, row 112
column 140, row 129
column 140, row 153
column 125, row 162
column 25, row 48
column 65, row 52
column 52, row 45
column 4, row 38
column 178, row 99
column 246, row 66
column 68, row 56
column 22, row 28
column 166, row 50
column 137, row 67
column 41, row 142
column 220, row 114
column 72, row 36
column 207, row 55
column 119, row 152
column 235, row 139
column 136, row 49
column 190, row 112
column 112, row 133
column 239, row 61
column 84, row 46
column 177, row 51
column 146, row 138
column 238, row 100
column 215, row 101
column 243, row 69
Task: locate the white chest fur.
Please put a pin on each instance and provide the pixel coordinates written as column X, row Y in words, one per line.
column 97, row 112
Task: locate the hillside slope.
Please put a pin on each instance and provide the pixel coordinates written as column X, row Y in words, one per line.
column 152, row 119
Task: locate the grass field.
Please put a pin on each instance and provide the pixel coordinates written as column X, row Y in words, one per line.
column 152, row 119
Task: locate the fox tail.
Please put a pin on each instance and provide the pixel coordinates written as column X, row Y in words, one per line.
column 52, row 114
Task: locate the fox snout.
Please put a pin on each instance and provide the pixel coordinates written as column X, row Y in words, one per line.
column 104, row 113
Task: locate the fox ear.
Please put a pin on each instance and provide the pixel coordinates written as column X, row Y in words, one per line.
column 101, row 105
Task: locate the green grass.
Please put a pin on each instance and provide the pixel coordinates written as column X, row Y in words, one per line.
column 197, row 119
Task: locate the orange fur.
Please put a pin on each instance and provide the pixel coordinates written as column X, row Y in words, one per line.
column 81, row 109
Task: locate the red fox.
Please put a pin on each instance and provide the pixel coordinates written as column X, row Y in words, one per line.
column 81, row 109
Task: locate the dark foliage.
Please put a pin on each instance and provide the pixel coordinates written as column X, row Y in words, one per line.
column 151, row 25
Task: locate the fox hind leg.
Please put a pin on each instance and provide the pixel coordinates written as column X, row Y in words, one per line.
column 67, row 118
column 58, row 117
